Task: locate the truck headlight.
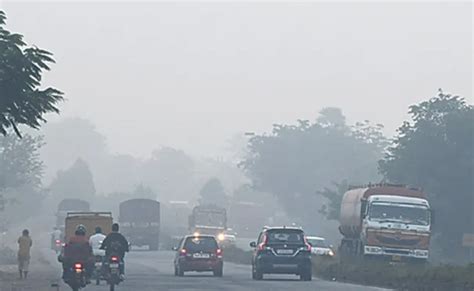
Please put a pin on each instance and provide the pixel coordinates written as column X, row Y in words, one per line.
column 372, row 250
column 421, row 253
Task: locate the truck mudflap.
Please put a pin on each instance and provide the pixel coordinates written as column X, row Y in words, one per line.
column 396, row 254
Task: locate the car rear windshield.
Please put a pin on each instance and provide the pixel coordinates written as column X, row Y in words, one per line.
column 198, row 244
column 319, row 243
column 287, row 236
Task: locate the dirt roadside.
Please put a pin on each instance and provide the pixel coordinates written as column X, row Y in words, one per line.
column 44, row 270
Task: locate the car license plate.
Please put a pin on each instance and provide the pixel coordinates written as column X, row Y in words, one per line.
column 78, row 270
column 286, row 266
column 284, row 252
column 201, row 256
column 114, row 265
column 98, row 264
column 396, row 258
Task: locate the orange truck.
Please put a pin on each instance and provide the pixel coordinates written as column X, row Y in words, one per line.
column 385, row 221
column 90, row 220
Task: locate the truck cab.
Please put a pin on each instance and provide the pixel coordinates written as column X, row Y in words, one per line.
column 396, row 226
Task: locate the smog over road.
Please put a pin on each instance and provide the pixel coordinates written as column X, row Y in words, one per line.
column 236, row 145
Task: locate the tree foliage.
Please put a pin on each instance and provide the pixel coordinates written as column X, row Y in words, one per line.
column 213, row 193
column 169, row 172
column 332, row 208
column 435, row 151
column 295, row 161
column 75, row 182
column 19, row 161
column 20, row 176
column 22, row 101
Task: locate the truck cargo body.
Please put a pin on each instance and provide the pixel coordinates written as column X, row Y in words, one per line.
column 385, row 221
column 140, row 222
column 90, row 220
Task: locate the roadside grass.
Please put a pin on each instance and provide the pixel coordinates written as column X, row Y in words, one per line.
column 236, row 255
column 418, row 277
column 406, row 277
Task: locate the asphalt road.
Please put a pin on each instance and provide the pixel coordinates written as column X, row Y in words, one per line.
column 147, row 271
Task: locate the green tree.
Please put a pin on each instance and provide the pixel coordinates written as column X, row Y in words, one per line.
column 22, row 101
column 435, row 151
column 213, row 193
column 75, row 182
column 332, row 208
column 20, row 176
column 295, row 161
column 19, row 161
column 169, row 172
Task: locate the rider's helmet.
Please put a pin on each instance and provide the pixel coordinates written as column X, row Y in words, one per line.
column 98, row 229
column 80, row 230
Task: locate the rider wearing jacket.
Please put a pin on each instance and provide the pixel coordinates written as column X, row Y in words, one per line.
column 78, row 250
column 116, row 244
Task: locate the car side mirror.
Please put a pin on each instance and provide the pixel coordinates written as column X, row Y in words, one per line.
column 174, row 248
column 253, row 244
column 331, row 246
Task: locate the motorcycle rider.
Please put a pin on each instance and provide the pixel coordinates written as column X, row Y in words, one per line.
column 116, row 244
column 78, row 250
column 55, row 236
column 96, row 241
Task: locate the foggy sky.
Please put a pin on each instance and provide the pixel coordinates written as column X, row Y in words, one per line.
column 192, row 75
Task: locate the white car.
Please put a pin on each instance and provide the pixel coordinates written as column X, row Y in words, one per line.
column 319, row 246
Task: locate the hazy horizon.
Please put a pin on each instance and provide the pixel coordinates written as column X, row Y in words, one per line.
column 193, row 75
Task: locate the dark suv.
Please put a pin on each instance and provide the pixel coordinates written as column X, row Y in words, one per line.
column 281, row 250
column 199, row 253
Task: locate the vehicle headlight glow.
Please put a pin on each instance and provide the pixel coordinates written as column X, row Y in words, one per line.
column 331, row 253
column 220, row 237
column 196, row 233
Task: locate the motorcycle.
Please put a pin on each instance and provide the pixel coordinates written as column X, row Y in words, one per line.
column 112, row 275
column 58, row 245
column 98, row 273
column 77, row 277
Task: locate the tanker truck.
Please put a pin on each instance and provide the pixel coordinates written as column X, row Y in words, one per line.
column 385, row 221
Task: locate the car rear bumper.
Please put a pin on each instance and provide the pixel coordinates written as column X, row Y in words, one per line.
column 283, row 265
column 200, row 265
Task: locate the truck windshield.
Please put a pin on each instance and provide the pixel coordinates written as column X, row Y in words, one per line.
column 210, row 219
column 399, row 213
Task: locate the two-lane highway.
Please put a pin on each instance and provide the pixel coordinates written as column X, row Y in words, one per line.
column 151, row 271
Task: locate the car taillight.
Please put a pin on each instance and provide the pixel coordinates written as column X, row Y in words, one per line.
column 114, row 259
column 219, row 252
column 58, row 241
column 182, row 252
column 77, row 266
